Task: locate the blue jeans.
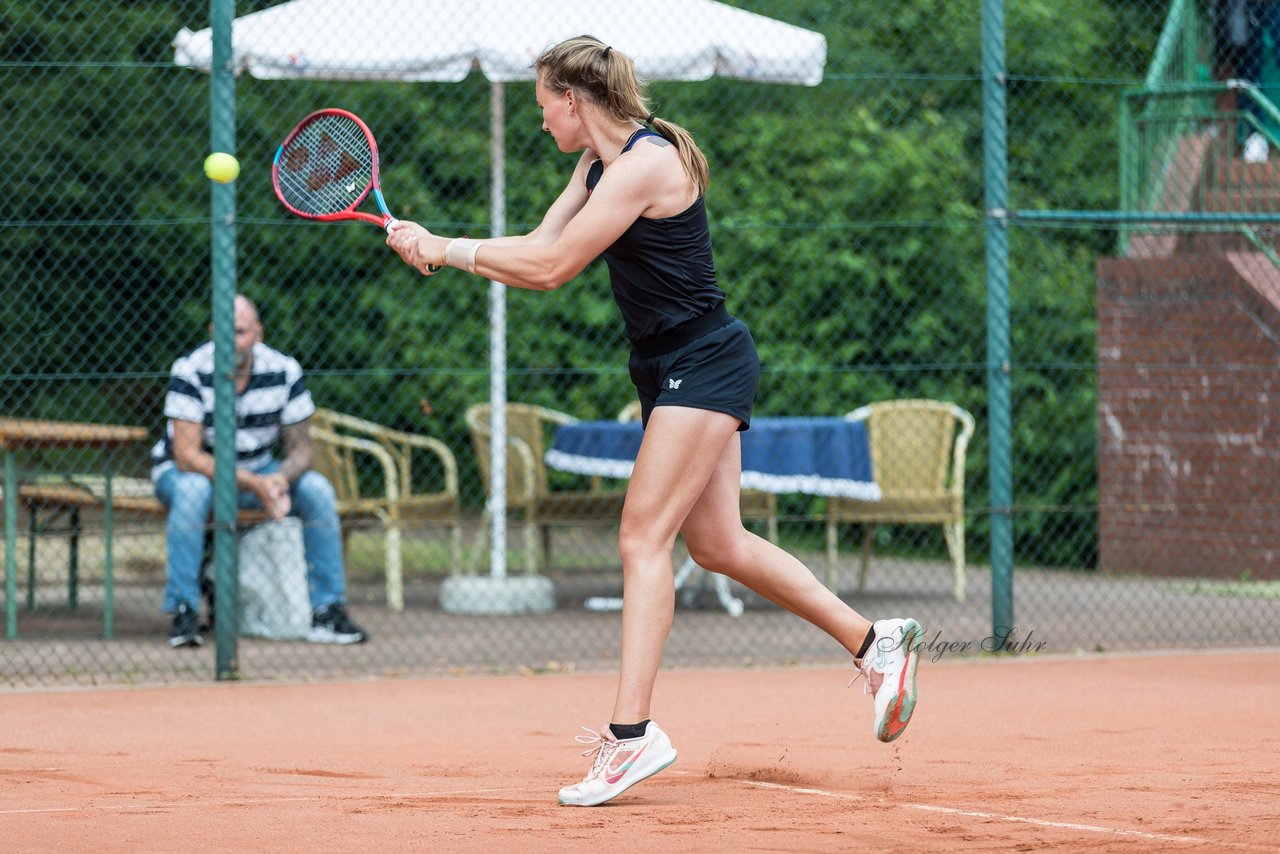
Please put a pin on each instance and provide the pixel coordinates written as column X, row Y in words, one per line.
column 189, row 498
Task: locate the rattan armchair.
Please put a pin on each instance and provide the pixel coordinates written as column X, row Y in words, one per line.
column 917, row 457
column 399, row 496
column 529, row 492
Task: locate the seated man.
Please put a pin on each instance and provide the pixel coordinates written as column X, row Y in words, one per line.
column 271, row 401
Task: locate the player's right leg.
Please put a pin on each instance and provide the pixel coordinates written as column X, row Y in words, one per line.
column 618, row 764
column 680, row 450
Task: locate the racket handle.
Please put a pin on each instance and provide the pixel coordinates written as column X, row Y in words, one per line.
column 431, row 268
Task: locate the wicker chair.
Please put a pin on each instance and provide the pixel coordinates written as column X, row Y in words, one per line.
column 917, row 456
column 529, row 492
column 340, row 442
column 757, row 505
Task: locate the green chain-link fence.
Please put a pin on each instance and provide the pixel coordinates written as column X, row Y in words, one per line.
column 852, row 234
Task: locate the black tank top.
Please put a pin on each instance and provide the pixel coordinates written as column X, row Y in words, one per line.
column 661, row 270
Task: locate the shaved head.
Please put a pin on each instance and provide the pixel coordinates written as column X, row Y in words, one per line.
column 248, row 332
column 246, row 309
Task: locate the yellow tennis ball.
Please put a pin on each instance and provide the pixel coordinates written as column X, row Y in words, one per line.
column 221, row 167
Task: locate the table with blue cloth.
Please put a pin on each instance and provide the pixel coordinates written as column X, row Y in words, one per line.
column 805, row 454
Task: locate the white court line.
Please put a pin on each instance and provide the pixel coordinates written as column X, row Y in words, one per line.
column 169, row 805
column 822, row 793
column 799, row 790
column 1042, row 822
column 1039, row 822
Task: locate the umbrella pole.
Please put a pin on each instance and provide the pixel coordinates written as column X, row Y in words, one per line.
column 497, row 593
column 498, row 342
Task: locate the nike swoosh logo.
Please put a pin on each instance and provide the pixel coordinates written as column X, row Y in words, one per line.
column 895, row 725
column 621, row 772
column 906, row 668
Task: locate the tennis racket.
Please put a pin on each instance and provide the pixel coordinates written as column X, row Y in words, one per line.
column 327, row 166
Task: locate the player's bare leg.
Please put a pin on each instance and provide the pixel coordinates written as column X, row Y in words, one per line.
column 717, row 541
column 884, row 652
column 677, row 456
column 681, row 450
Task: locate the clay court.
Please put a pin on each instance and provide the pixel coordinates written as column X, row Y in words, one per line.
column 1140, row 752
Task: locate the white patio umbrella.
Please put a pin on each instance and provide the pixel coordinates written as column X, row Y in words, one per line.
column 445, row 40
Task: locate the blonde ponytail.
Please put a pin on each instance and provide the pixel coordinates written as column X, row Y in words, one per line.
column 607, row 77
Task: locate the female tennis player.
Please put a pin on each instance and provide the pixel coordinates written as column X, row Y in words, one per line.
column 636, row 197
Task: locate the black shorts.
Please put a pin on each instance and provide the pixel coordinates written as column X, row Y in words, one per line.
column 718, row 371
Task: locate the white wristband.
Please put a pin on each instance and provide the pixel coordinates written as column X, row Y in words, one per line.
column 461, row 253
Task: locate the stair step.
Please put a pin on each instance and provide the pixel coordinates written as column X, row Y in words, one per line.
column 1235, row 173
column 1250, row 199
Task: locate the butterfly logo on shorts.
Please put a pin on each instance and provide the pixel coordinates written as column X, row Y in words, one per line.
column 674, row 383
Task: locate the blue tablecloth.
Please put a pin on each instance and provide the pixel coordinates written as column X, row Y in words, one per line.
column 817, row 456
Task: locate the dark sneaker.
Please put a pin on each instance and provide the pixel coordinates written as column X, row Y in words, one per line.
column 209, row 594
column 332, row 625
column 185, row 630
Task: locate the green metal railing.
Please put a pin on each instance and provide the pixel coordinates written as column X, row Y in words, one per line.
column 1178, row 57
column 1177, row 61
column 1162, row 169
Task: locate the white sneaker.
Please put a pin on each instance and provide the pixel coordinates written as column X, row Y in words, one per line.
column 618, row 765
column 1255, row 149
column 890, row 669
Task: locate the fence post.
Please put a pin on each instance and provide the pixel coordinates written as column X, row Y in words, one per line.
column 222, row 137
column 999, row 422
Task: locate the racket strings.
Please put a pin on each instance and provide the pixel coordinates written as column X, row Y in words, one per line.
column 327, row 167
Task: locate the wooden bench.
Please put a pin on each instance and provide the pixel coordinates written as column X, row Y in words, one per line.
column 73, row 494
column 400, row 495
column 55, row 507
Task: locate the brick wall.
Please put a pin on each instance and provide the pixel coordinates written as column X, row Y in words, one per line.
column 1189, row 415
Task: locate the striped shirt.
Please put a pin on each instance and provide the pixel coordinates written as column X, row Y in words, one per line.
column 275, row 397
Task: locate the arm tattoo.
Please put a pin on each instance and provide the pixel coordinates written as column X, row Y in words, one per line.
column 297, row 450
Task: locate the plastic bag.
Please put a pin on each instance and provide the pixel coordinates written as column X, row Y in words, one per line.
column 274, row 602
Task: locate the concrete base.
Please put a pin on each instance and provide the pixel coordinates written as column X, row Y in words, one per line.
column 484, row 594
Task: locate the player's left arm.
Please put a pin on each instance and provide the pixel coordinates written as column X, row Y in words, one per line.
column 624, row 193
column 566, row 206
column 423, row 250
column 626, row 190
